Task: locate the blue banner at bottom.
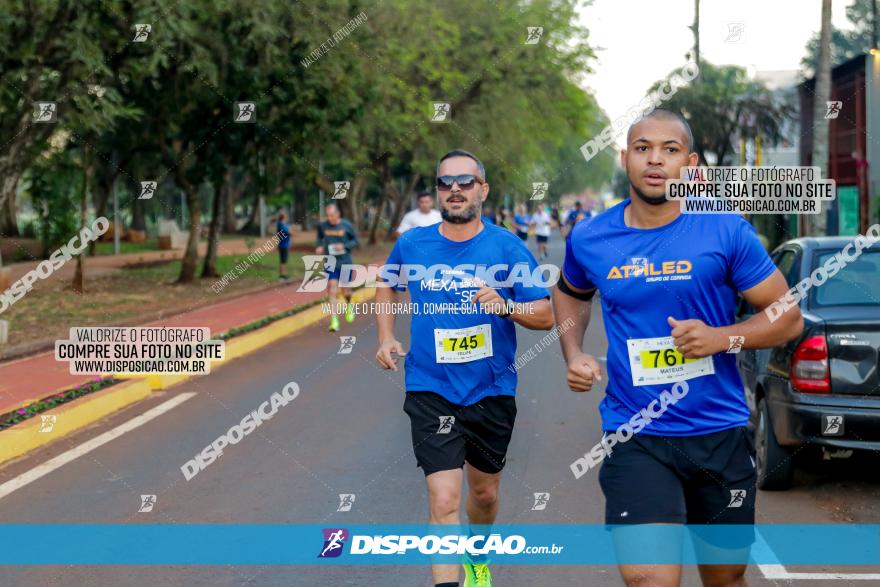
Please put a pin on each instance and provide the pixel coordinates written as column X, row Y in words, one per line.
column 262, row 544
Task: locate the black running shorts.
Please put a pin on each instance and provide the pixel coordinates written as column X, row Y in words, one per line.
column 707, row 479
column 445, row 435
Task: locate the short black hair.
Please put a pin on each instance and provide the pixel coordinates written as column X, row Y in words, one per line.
column 463, row 153
column 664, row 114
column 425, row 195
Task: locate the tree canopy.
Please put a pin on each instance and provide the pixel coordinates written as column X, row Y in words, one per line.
column 342, row 90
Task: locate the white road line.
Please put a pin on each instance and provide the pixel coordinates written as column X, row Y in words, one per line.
column 90, row 445
column 777, row 571
column 833, row 576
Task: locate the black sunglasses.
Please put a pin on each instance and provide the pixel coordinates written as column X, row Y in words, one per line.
column 465, row 182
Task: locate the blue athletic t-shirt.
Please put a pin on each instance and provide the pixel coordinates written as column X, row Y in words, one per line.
column 283, row 230
column 692, row 268
column 463, row 383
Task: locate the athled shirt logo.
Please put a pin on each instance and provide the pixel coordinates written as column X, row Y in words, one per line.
column 640, row 267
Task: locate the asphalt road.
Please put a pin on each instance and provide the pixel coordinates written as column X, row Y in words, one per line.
column 347, row 433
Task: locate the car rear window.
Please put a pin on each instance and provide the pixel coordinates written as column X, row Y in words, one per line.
column 858, row 283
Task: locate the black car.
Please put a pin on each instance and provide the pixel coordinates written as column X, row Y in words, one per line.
column 822, row 388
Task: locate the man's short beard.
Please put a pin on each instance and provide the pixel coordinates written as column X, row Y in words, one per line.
column 462, row 217
column 652, row 200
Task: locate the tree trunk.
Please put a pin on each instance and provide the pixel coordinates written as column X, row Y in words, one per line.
column 78, row 284
column 209, row 268
column 358, row 189
column 387, row 194
column 104, row 185
column 8, row 187
column 191, row 256
column 236, row 183
column 300, row 213
column 254, row 215
column 8, row 222
column 820, row 123
column 138, row 220
column 400, row 204
column 696, row 29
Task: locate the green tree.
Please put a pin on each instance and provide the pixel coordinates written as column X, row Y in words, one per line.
column 846, row 44
column 55, row 52
column 725, row 105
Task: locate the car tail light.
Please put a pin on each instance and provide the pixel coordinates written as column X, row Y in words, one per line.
column 809, row 366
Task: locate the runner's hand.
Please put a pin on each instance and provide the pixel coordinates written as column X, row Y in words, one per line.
column 384, row 357
column 583, row 370
column 490, row 300
column 694, row 338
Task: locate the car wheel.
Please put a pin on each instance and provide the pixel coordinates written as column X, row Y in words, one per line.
column 775, row 463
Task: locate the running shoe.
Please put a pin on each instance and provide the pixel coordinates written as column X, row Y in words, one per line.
column 477, row 575
column 349, row 312
column 334, row 323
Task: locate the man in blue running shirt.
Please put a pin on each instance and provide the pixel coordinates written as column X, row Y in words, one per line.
column 668, row 284
column 282, row 230
column 479, row 281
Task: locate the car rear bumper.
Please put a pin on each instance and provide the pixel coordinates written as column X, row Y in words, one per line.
column 800, row 419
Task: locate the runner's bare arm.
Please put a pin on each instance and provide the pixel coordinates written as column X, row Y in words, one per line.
column 536, row 315
column 385, row 300
column 695, row 339
column 574, row 312
column 572, row 308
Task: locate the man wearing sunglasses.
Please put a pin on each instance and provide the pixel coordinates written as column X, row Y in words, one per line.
column 460, row 380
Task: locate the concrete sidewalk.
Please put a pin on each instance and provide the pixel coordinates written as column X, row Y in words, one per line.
column 26, row 380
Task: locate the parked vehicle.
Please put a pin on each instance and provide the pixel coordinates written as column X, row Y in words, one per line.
column 822, row 388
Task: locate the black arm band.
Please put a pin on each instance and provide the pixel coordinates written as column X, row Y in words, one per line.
column 566, row 289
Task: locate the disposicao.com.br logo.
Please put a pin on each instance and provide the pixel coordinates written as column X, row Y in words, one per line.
column 438, row 277
column 431, row 544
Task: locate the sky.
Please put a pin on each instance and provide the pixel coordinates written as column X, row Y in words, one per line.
column 643, row 41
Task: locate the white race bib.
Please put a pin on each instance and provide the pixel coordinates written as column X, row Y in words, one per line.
column 654, row 361
column 462, row 345
column 336, row 248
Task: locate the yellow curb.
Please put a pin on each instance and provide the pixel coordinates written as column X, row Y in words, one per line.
column 26, row 436
column 244, row 345
column 70, row 417
column 157, row 380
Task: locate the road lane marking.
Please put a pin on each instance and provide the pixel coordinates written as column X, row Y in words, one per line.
column 90, row 445
column 777, row 571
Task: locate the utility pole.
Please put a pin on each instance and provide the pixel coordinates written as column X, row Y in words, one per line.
column 696, row 30
column 821, row 97
column 875, row 25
